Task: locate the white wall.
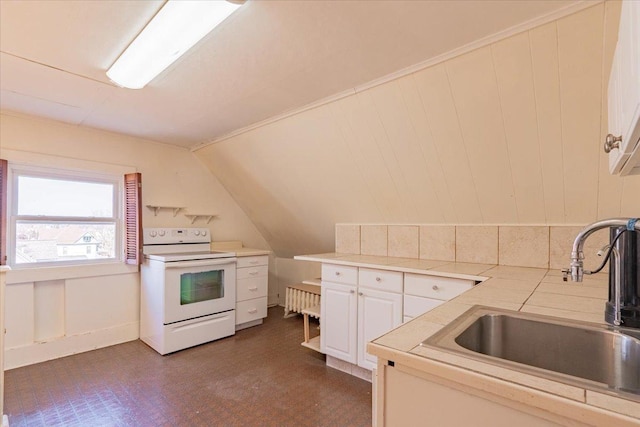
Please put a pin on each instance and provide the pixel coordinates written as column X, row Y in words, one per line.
column 510, row 133
column 52, row 312
column 290, row 272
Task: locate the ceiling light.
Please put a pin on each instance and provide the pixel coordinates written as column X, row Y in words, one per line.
column 174, row 30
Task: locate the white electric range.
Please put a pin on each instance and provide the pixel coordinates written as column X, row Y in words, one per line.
column 188, row 292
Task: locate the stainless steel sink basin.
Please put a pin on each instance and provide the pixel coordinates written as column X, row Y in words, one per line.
column 589, row 355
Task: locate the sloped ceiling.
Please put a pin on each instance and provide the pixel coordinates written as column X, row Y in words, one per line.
column 270, row 57
column 509, row 133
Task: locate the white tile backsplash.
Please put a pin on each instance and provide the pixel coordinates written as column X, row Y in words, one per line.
column 537, row 246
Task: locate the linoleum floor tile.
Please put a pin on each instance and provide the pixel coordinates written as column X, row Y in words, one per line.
column 259, row 377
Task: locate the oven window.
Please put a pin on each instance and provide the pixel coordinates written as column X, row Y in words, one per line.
column 204, row 286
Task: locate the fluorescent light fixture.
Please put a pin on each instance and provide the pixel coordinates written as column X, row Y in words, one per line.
column 174, row 30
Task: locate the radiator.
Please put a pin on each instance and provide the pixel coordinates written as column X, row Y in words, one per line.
column 300, row 296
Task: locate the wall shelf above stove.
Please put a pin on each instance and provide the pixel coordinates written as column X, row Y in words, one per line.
column 158, row 208
column 194, row 217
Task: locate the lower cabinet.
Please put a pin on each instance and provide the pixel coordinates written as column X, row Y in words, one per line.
column 353, row 315
column 339, row 317
column 252, row 276
column 415, row 306
column 360, row 304
column 378, row 313
column 405, row 395
column 423, row 292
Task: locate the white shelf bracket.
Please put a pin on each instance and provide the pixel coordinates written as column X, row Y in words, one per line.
column 194, row 217
column 157, row 208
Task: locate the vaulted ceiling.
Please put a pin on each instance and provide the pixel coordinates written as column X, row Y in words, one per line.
column 269, row 58
column 509, row 133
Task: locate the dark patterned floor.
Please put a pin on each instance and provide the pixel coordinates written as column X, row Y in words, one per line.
column 259, row 377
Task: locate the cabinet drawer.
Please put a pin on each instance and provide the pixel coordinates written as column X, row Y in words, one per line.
column 390, row 281
column 252, row 261
column 340, row 274
column 249, row 272
column 252, row 309
column 442, row 288
column 415, row 306
column 252, row 287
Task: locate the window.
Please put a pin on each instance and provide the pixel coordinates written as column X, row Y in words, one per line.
column 61, row 218
column 55, row 215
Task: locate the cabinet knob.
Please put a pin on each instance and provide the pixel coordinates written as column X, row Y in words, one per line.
column 611, row 142
column 352, row 291
column 378, row 279
column 337, row 273
column 360, row 293
column 435, row 287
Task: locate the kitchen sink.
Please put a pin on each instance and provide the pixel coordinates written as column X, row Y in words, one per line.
column 588, row 355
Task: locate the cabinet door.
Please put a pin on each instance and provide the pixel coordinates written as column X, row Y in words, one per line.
column 378, row 313
column 417, row 306
column 624, row 89
column 338, row 314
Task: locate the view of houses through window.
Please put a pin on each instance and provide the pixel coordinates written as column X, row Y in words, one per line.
column 46, row 242
column 63, row 218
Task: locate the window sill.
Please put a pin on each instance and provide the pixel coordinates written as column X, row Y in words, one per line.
column 40, row 274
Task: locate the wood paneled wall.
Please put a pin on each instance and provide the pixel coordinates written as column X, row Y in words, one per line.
column 509, row 133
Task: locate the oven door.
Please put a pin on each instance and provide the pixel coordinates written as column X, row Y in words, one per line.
column 198, row 288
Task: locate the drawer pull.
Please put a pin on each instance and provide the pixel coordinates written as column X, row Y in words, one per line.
column 378, row 279
column 253, row 262
column 253, row 288
column 360, row 293
column 337, row 273
column 253, row 311
column 254, row 273
column 435, row 287
column 352, row 291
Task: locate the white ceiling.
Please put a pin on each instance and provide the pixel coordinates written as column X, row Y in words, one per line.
column 270, row 57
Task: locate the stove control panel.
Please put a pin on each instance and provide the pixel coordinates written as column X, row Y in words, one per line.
column 163, row 236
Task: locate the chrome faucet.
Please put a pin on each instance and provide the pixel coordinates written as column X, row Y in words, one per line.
column 576, row 269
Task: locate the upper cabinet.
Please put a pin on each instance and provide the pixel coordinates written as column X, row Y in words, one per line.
column 623, row 141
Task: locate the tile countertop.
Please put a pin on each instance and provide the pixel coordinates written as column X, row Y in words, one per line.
column 459, row 270
column 525, row 289
column 240, row 252
column 235, row 246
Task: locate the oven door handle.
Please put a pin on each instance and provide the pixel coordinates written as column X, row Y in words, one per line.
column 201, row 263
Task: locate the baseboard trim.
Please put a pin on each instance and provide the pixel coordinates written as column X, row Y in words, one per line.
column 66, row 346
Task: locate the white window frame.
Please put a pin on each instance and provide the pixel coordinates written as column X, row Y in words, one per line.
column 17, row 170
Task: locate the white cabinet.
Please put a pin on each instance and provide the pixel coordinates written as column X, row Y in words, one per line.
column 624, row 93
column 339, row 328
column 415, row 306
column 379, row 308
column 357, row 306
column 423, row 293
column 360, row 304
column 378, row 313
column 252, row 277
